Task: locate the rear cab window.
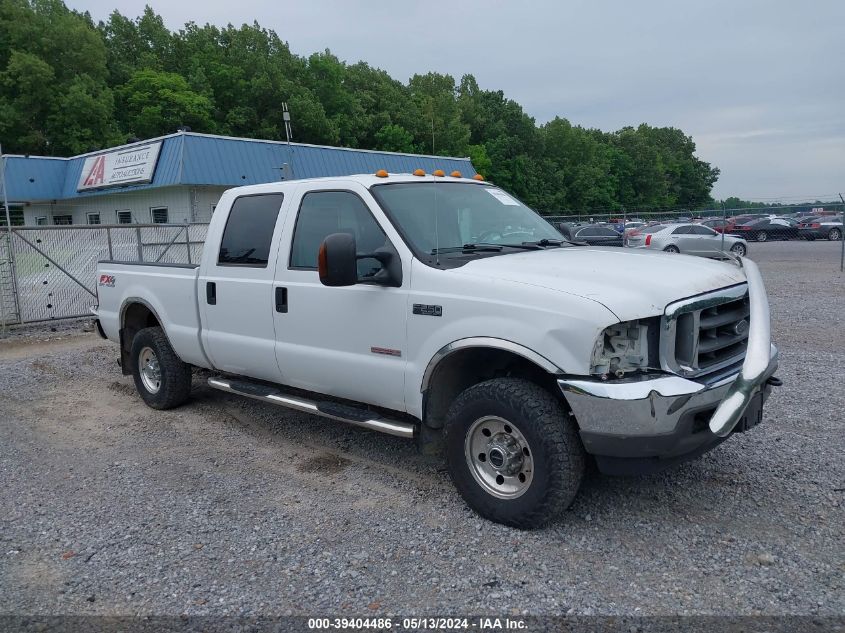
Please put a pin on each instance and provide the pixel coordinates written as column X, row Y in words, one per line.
column 249, row 230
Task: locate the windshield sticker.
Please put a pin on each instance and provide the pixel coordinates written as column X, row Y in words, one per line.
column 502, row 197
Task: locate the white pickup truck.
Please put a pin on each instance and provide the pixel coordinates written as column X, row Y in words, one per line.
column 445, row 310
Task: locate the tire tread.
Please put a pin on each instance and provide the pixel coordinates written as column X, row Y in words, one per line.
column 176, row 374
column 561, row 445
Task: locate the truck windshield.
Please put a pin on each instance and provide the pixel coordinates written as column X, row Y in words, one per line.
column 460, row 217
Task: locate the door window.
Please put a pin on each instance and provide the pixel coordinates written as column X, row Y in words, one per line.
column 249, row 230
column 681, row 230
column 325, row 212
column 701, row 230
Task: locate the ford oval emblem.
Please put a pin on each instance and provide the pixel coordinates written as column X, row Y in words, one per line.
column 741, row 327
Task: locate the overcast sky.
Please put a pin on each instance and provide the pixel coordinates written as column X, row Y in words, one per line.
column 760, row 85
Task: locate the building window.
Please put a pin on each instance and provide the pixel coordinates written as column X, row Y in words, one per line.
column 124, row 217
column 59, row 220
column 41, row 220
column 159, row 215
column 93, row 218
column 15, row 215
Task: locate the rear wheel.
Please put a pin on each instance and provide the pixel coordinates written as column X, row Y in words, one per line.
column 834, row 235
column 739, row 250
column 163, row 381
column 671, row 249
column 513, row 452
column 762, row 236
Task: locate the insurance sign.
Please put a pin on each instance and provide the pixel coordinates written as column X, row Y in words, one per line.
column 131, row 166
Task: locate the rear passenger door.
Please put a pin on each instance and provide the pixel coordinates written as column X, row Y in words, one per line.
column 680, row 238
column 236, row 288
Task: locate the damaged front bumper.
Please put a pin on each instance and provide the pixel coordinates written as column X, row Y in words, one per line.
column 649, row 422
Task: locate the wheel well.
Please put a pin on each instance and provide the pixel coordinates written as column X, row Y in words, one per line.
column 136, row 317
column 467, row 367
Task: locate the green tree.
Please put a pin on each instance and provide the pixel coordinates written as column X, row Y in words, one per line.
column 154, row 103
column 67, row 86
column 54, row 98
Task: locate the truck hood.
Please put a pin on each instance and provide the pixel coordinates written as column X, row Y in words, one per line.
column 630, row 283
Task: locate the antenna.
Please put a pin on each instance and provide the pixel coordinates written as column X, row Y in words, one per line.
column 287, row 168
column 436, row 216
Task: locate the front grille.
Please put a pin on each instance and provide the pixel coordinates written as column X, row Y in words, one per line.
column 706, row 334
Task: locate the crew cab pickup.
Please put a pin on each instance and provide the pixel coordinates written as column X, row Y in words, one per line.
column 443, row 309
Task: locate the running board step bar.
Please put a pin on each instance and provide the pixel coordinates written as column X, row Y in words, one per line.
column 332, row 410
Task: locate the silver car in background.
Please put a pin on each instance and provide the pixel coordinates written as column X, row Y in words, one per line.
column 690, row 239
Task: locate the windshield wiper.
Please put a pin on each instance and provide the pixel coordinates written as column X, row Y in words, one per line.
column 468, row 248
column 543, row 243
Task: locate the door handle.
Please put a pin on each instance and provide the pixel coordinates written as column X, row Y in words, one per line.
column 281, row 299
column 211, row 293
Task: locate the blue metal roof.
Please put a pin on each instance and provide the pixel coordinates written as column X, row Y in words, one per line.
column 200, row 159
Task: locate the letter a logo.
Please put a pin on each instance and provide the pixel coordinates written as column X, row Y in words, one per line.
column 97, row 173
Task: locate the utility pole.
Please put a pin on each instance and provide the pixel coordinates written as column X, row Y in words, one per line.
column 10, row 245
column 724, row 226
column 842, row 237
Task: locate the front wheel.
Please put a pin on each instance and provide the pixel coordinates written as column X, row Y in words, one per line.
column 834, row 235
column 513, row 452
column 163, row 381
column 739, row 250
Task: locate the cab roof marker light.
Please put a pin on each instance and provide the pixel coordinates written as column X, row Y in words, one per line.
column 381, row 173
column 439, row 173
column 455, row 174
column 419, row 172
column 478, row 177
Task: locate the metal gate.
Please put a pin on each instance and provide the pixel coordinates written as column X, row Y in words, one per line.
column 49, row 272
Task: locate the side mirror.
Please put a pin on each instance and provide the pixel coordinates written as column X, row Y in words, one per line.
column 336, row 260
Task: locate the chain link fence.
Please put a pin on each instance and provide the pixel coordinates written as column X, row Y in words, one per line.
column 49, row 272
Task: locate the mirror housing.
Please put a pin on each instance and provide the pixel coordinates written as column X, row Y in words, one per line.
column 337, row 263
column 336, row 260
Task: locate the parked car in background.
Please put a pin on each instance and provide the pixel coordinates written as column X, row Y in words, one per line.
column 763, row 230
column 717, row 225
column 690, row 239
column 823, row 228
column 591, row 234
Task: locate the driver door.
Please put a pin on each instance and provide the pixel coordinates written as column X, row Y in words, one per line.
column 350, row 341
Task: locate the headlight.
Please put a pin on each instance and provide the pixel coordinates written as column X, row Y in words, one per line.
column 623, row 348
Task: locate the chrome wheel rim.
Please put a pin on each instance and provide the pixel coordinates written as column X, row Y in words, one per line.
column 834, row 235
column 149, row 370
column 739, row 249
column 762, row 236
column 499, row 457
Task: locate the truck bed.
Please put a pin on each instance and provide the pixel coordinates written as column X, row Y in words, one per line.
column 169, row 290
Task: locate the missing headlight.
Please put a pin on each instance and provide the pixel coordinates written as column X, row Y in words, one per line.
column 622, row 348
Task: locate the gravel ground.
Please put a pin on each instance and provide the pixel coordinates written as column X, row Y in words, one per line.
column 229, row 506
